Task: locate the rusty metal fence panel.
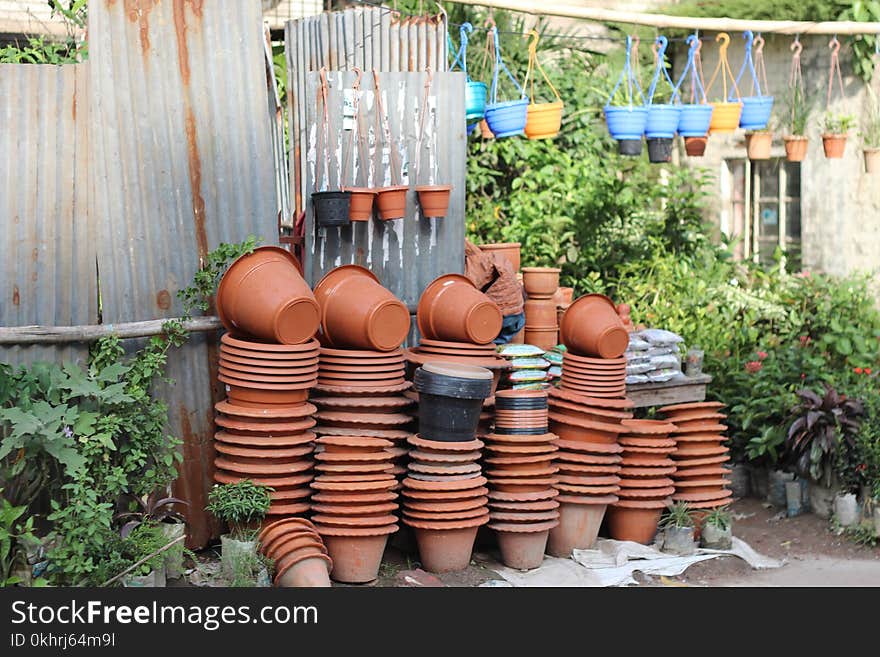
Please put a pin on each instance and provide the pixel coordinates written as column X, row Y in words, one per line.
column 47, row 272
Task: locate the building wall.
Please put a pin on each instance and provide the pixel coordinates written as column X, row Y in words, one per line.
column 840, row 203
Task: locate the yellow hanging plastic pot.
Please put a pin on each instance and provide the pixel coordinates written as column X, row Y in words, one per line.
column 543, row 120
column 725, row 113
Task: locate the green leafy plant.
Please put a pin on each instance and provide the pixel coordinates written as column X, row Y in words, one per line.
column 198, row 295
column 241, row 505
column 837, row 124
column 862, row 534
column 15, row 535
column 677, row 515
column 247, row 567
column 797, row 109
column 72, row 48
column 718, row 518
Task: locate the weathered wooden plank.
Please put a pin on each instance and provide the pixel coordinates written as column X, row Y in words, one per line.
column 680, row 391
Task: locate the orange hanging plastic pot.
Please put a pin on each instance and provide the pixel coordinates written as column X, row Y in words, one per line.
column 434, row 199
column 391, row 202
column 361, row 208
column 543, row 120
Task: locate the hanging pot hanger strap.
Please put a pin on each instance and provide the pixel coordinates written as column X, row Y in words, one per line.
column 694, row 69
column 422, row 115
column 382, row 119
column 461, row 57
column 636, row 63
column 759, row 63
column 535, row 63
column 322, row 167
column 659, row 48
column 723, row 68
column 627, row 75
column 749, row 62
column 500, row 65
column 351, row 135
column 489, row 50
column 834, row 71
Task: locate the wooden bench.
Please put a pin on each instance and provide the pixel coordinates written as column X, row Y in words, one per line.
column 677, row 391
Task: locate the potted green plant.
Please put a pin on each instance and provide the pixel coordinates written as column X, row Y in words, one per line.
column 797, row 114
column 242, row 506
column 835, row 129
column 141, row 552
column 871, row 134
column 170, row 523
column 717, row 531
column 677, row 528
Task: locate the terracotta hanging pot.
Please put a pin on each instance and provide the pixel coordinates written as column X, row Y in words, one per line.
column 263, row 295
column 872, row 160
column 592, row 327
column 452, row 308
column 540, row 313
column 358, row 312
column 695, row 146
column 578, row 528
column 303, row 569
column 834, row 146
column 486, row 131
column 508, row 250
column 434, row 199
column 391, row 202
column 541, row 282
column 796, row 147
column 362, row 199
column 758, row 145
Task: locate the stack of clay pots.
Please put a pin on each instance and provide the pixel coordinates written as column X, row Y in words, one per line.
column 589, row 464
column 445, row 491
column 353, row 503
column 646, row 484
column 263, row 427
column 520, row 464
column 298, row 552
column 541, row 284
column 701, row 479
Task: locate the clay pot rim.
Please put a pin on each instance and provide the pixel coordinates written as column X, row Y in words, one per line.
column 710, row 504
column 284, row 521
column 636, row 472
column 519, row 438
column 640, row 504
column 589, row 410
column 328, row 497
column 691, row 406
column 603, row 427
column 459, row 346
column 658, row 443
column 293, row 452
column 353, row 521
column 354, row 441
column 523, row 528
column 590, row 480
column 228, row 476
column 356, row 532
column 701, row 470
column 600, row 402
column 448, row 468
column 646, row 483
column 692, row 416
column 362, row 402
column 588, row 500
column 434, row 525
column 383, row 477
column 700, row 483
column 354, row 486
column 502, row 496
column 565, row 456
column 526, row 473
column 523, row 481
column 437, row 495
column 665, row 491
column 429, row 457
column 363, row 418
column 444, row 516
column 525, row 517
column 588, row 468
column 258, row 346
column 302, row 368
column 703, row 497
column 359, row 354
column 539, row 450
column 362, row 390
column 684, row 452
column 244, row 383
column 262, row 441
column 420, row 358
column 468, row 446
column 297, row 426
column 293, row 467
column 589, row 448
column 594, row 361
column 433, row 188
column 303, row 409
column 540, row 270
column 517, row 460
column 588, row 490
column 390, row 434
column 534, row 505
column 457, row 484
column 440, row 506
column 647, row 427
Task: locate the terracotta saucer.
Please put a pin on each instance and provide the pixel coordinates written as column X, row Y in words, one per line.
column 705, row 482
column 689, row 461
column 504, row 473
column 354, row 486
column 338, row 509
column 436, row 506
column 520, row 484
column 646, row 482
column 711, row 504
column 235, row 464
column 501, row 449
column 641, row 504
column 510, row 438
column 446, row 485
column 281, row 413
column 443, row 516
column 599, row 402
column 523, row 516
column 701, row 471
column 501, row 496
column 588, row 383
column 636, row 493
column 345, row 361
column 371, row 383
column 436, row 457
column 465, row 346
column 267, row 346
column 519, row 460
column 362, row 390
column 378, row 520
column 631, row 472
column 445, row 469
column 520, row 528
column 674, row 408
column 464, row 353
column 245, row 383
column 647, row 427
column 685, row 452
column 580, row 469
column 597, row 500
column 420, row 357
column 360, row 354
column 700, row 427
column 447, row 525
column 700, row 438
column 633, row 451
column 587, row 480
column 276, row 374
column 339, row 497
column 703, row 497
column 598, row 395
column 354, row 468
column 327, row 530
column 359, row 442
column 441, row 445
column 372, row 404
column 599, row 414
column 604, row 427
column 425, row 496
column 291, row 493
column 390, row 434
column 658, row 442
column 390, row 419
column 265, row 428
column 646, row 461
column 421, row 476
column 598, row 377
column 685, row 427
column 307, row 376
column 537, row 505
column 361, row 368
column 226, row 477
column 258, row 453
column 592, row 362
column 565, row 456
column 292, row 357
column 380, row 456
column 265, row 441
column 288, row 509
column 588, row 490
column 338, row 477
column 691, row 416
column 589, row 448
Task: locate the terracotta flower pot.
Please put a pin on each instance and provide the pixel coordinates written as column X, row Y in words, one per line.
column 521, row 548
column 358, row 312
column 434, row 199
column 361, row 203
column 485, row 131
column 541, row 282
column 307, row 571
column 872, row 160
column 834, row 146
column 795, row 147
column 452, row 308
column 391, row 202
column 508, row 250
column 446, row 550
column 263, row 295
column 758, row 145
column 356, row 553
column 592, row 327
column 633, row 524
column 695, row 146
column 540, row 314
column 585, row 431
column 578, row 528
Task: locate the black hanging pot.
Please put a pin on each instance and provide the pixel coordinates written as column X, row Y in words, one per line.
column 450, row 400
column 659, row 149
column 630, row 147
column 332, row 208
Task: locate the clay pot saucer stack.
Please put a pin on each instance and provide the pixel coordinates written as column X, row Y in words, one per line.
column 589, row 464
column 353, row 503
column 700, row 455
column 594, row 377
column 298, row 552
column 541, row 283
column 646, row 484
column 464, row 353
column 520, row 463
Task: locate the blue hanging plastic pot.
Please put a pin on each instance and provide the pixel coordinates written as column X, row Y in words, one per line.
column 694, row 120
column 626, row 122
column 756, row 112
column 507, row 119
column 475, row 100
column 662, row 121
column 471, row 128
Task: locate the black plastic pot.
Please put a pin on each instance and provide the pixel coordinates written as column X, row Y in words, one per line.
column 631, row 147
column 659, row 149
column 332, row 208
column 450, row 406
column 532, row 404
column 522, row 432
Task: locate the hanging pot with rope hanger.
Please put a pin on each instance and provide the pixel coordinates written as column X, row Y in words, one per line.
column 474, row 92
column 332, row 208
column 543, row 120
column 626, row 123
column 506, row 118
column 390, row 200
column 726, row 113
column 693, row 124
column 433, row 199
column 756, row 109
column 796, row 144
column 834, row 137
column 361, row 208
column 663, row 118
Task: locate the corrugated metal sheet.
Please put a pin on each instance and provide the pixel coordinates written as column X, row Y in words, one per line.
column 183, row 160
column 47, row 273
column 366, row 37
column 406, row 254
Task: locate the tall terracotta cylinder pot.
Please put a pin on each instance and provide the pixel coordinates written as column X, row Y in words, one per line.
column 540, row 313
column 358, row 313
column 453, row 309
column 592, row 327
column 510, row 250
column 544, row 338
column 263, row 295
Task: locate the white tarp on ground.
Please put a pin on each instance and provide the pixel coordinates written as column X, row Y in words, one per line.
column 612, row 563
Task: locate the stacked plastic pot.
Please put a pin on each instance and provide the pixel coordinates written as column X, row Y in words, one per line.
column 701, row 478
column 264, row 426
column 541, row 284
column 521, row 467
column 646, row 485
column 444, row 493
column 359, row 395
column 298, row 552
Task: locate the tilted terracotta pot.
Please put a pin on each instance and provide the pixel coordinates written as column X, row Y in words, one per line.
column 633, row 524
column 834, row 146
column 509, row 250
column 758, row 145
column 695, row 146
column 452, row 308
column 540, row 313
column 361, row 203
column 541, row 282
column 306, row 569
column 263, row 295
column 578, row 528
column 434, row 199
column 592, row 327
column 391, row 202
column 357, row 312
column 795, row 148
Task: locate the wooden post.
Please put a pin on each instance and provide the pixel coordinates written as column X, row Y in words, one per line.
column 19, row 335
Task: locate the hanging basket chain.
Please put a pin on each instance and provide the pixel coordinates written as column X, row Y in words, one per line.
column 323, row 172
column 723, row 67
column 461, row 57
column 636, row 62
column 422, row 116
column 659, row 49
column 382, row 119
column 535, row 63
column 796, row 76
column 489, row 50
column 759, row 63
column 627, row 75
column 834, row 71
column 694, row 69
column 499, row 66
column 350, row 150
column 750, row 63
